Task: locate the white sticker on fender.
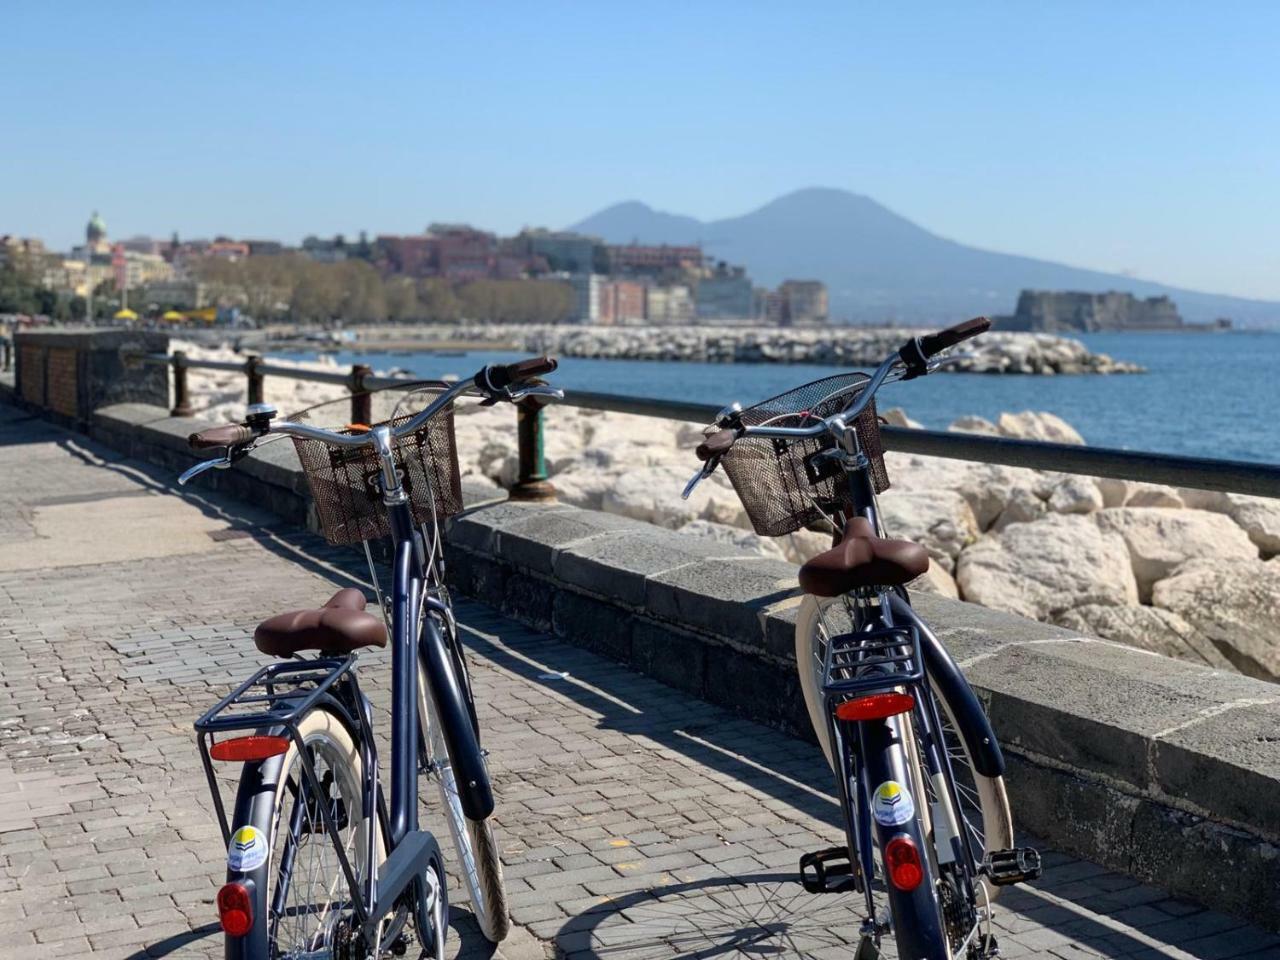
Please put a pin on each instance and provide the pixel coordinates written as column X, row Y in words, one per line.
column 891, row 804
column 247, row 850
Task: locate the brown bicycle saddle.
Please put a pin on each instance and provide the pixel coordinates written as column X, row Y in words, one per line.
column 863, row 559
column 340, row 626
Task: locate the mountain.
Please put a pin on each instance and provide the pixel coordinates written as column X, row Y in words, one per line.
column 878, row 265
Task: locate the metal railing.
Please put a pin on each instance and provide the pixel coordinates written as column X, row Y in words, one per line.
column 6, row 354
column 1226, row 476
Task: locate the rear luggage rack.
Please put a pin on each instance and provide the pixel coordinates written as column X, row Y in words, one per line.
column 279, row 695
column 291, row 687
column 872, row 660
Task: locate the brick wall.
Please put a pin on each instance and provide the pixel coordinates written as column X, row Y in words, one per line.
column 31, row 362
column 62, row 381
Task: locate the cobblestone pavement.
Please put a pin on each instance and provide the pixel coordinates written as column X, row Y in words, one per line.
column 634, row 822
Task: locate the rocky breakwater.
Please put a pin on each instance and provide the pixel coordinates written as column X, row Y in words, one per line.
column 1183, row 573
column 994, row 352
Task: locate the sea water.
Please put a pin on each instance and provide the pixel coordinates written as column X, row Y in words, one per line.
column 1204, row 394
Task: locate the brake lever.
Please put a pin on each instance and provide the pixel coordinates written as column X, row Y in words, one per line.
column 940, row 362
column 706, row 470
column 535, row 390
column 218, row 463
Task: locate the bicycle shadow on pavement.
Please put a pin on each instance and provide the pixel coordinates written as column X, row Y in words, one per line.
column 1076, row 902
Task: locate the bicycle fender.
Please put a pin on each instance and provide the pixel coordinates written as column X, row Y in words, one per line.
column 255, row 809
column 474, row 789
column 255, row 806
column 979, row 739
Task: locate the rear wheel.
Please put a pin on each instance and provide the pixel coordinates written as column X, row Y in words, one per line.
column 310, row 906
column 984, row 803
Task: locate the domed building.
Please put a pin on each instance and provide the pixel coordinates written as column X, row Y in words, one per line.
column 95, row 235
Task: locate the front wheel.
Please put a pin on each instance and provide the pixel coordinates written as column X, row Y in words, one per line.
column 473, row 839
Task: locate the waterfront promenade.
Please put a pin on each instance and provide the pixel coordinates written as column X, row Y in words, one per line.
column 635, row 822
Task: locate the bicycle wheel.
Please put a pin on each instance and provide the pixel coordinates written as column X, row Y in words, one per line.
column 473, row 839
column 984, row 801
column 309, row 906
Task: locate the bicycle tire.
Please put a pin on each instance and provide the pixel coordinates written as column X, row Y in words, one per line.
column 992, row 795
column 473, row 837
column 265, row 787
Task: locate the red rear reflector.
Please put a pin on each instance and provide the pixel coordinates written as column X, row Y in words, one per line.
column 876, row 706
column 235, row 909
column 248, row 748
column 902, row 860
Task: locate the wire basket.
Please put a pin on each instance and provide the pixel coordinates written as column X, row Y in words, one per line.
column 344, row 481
column 781, row 487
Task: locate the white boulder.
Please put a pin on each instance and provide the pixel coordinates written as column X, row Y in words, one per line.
column 1236, row 606
column 1159, row 541
column 941, row 521
column 1042, row 569
column 1075, row 495
column 1032, row 425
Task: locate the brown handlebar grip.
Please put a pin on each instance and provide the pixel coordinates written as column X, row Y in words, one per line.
column 527, row 369
column 228, row 435
column 716, row 445
column 937, row 342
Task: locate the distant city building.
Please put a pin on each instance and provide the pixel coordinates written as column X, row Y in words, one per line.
column 132, row 270
column 725, row 294
column 182, row 294
column 462, row 252
column 227, row 249
column 264, row 248
column 1068, row 312
column 803, row 301
column 670, row 305
column 324, row 251
column 140, row 244
column 586, row 295
column 95, row 235
column 14, row 248
column 563, row 252
column 654, row 260
column 413, row 256
column 620, row 302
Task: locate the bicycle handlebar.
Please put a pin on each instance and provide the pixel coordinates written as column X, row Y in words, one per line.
column 227, row 435
column 935, row 343
column 491, row 381
column 495, row 377
column 913, row 357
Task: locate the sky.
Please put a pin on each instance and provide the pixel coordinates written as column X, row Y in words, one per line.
column 1138, row 137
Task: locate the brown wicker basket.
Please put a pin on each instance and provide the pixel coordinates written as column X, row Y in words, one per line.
column 780, row 487
column 344, row 482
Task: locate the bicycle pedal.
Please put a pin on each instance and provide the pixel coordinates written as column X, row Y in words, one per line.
column 1016, row 865
column 829, row 871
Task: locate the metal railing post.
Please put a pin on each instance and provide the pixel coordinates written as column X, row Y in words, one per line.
column 6, row 355
column 252, row 370
column 181, row 396
column 531, row 479
column 361, row 399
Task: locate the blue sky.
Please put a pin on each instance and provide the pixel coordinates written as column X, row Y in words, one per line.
column 1138, row 137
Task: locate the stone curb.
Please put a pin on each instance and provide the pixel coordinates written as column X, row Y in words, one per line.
column 1159, row 768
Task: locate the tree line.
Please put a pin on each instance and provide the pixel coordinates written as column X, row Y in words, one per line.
column 306, row 291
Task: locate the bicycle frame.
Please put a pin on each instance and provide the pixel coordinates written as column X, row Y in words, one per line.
column 415, row 637
column 884, row 750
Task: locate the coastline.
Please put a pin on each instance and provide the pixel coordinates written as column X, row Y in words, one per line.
column 994, row 352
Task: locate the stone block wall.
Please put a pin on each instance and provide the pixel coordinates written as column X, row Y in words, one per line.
column 71, row 372
column 1158, row 768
